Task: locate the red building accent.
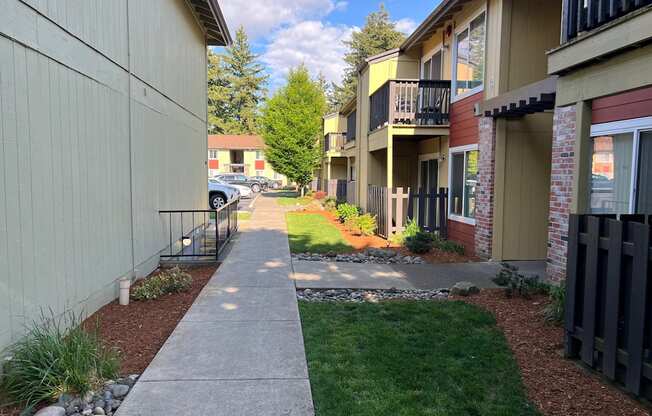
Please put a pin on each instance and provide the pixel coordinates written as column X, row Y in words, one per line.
column 623, row 106
column 260, row 165
column 464, row 123
column 213, row 164
column 463, row 131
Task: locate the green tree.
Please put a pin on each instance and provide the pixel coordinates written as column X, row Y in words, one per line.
column 378, row 35
column 236, row 88
column 291, row 127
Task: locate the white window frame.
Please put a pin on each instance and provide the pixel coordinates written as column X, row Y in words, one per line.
column 635, row 126
column 262, row 156
column 461, row 28
column 452, row 151
column 429, row 55
column 216, row 154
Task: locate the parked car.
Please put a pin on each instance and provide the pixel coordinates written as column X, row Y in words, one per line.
column 219, row 193
column 271, row 183
column 240, row 179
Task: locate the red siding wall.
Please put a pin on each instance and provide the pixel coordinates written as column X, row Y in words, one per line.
column 464, row 131
column 259, row 164
column 464, row 123
column 213, row 164
column 623, row 106
column 464, row 234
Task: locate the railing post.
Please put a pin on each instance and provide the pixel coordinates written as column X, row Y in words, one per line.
column 217, row 234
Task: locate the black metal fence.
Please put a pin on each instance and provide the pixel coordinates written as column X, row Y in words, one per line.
column 584, row 15
column 196, row 234
column 608, row 321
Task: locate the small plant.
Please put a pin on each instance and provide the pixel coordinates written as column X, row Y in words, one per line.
column 422, row 242
column 366, row 224
column 518, row 284
column 319, row 195
column 554, row 311
column 346, row 211
column 448, row 246
column 410, row 230
column 330, row 204
column 52, row 360
column 174, row 280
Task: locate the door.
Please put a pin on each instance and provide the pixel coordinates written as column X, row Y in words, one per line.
column 428, row 172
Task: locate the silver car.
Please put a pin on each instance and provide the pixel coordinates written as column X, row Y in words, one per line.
column 219, row 194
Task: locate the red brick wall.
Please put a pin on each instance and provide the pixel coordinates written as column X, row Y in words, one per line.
column 464, row 123
column 623, row 106
column 484, row 203
column 463, row 131
column 561, row 186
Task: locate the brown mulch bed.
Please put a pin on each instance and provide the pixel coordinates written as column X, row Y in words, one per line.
column 559, row 387
column 139, row 330
column 360, row 243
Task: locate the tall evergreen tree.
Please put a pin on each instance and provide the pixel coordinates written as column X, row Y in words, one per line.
column 378, row 35
column 291, row 126
column 236, row 88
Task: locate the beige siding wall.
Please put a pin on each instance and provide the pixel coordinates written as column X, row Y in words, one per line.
column 77, row 133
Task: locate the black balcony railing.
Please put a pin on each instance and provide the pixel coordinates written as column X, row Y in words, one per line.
column 585, row 15
column 411, row 102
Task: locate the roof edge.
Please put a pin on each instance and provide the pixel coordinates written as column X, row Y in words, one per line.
column 433, row 18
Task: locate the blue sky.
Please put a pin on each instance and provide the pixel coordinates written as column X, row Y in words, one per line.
column 286, row 33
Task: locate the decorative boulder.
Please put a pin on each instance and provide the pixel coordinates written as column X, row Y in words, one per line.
column 51, row 411
column 464, row 289
column 382, row 253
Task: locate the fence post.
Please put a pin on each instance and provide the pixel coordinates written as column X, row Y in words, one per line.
column 399, row 210
column 443, row 211
column 612, row 306
column 570, row 348
column 389, row 210
column 590, row 290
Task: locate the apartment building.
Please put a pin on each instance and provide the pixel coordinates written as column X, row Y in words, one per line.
column 239, row 154
column 102, row 124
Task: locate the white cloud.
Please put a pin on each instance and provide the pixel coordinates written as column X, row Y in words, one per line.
column 406, row 25
column 262, row 17
column 317, row 45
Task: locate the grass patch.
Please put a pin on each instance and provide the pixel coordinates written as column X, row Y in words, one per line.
column 409, row 358
column 244, row 215
column 313, row 233
column 292, row 198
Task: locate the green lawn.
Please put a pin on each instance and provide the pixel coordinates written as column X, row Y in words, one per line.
column 409, row 359
column 292, row 198
column 313, row 233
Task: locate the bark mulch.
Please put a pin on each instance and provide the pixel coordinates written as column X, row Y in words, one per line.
column 559, row 387
column 360, row 243
column 140, row 329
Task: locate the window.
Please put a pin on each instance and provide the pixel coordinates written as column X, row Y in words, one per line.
column 259, row 155
column 260, row 173
column 212, row 154
column 352, row 172
column 469, row 57
column 620, row 180
column 463, row 182
column 432, row 67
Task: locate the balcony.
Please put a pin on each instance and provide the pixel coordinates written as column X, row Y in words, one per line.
column 583, row 16
column 410, row 102
column 334, row 142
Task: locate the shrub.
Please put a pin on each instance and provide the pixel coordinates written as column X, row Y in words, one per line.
column 330, row 204
column 448, row 246
column 518, row 284
column 319, row 195
column 366, row 224
column 410, row 230
column 174, row 280
column 52, row 360
column 346, row 211
column 422, row 242
column 554, row 311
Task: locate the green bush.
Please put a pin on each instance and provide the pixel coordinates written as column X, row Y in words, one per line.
column 448, row 246
column 366, row 224
column 52, row 360
column 422, row 242
column 347, row 211
column 411, row 229
column 554, row 311
column 519, row 284
column 174, row 280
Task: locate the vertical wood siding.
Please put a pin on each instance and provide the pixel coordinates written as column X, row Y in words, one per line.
column 464, row 123
column 65, row 160
column 624, row 106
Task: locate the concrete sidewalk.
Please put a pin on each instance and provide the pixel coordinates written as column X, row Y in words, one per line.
column 239, row 349
column 332, row 275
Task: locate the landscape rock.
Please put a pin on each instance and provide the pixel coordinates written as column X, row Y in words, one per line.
column 369, row 295
column 371, row 255
column 52, row 411
column 99, row 411
column 464, row 289
column 119, row 390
